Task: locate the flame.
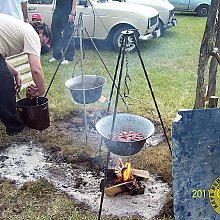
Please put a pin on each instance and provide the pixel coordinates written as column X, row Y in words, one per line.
column 123, row 171
column 127, row 172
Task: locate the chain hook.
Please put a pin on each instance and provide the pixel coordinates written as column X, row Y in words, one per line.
column 80, row 30
column 127, row 77
column 80, row 20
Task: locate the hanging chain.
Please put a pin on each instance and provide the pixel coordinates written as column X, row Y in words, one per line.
column 80, row 20
column 80, row 28
column 127, row 77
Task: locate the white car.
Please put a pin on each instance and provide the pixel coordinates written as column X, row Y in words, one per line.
column 165, row 9
column 106, row 20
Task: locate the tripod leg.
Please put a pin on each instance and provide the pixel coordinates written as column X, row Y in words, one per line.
column 67, row 46
column 152, row 93
column 112, row 89
column 103, row 189
column 115, row 75
column 104, row 64
column 122, row 52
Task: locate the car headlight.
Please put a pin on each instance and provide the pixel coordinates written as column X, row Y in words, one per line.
column 153, row 21
column 171, row 13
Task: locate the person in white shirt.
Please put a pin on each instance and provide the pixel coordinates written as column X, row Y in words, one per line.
column 17, row 36
column 16, row 8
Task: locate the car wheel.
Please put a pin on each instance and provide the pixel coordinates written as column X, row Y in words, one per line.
column 202, row 10
column 117, row 40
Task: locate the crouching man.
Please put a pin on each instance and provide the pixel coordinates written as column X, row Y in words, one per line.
column 43, row 30
column 17, row 36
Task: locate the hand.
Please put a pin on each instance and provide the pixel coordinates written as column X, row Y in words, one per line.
column 26, row 20
column 72, row 17
column 32, row 92
column 18, row 83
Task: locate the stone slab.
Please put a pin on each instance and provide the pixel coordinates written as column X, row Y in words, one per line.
column 196, row 162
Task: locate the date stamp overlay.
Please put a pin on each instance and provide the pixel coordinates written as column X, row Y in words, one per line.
column 213, row 194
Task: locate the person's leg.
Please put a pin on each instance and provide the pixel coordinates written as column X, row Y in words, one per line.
column 8, row 113
column 67, row 33
column 56, row 36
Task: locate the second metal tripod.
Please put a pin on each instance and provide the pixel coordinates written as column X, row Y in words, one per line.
column 128, row 34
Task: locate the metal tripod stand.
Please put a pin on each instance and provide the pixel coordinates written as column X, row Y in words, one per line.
column 120, row 62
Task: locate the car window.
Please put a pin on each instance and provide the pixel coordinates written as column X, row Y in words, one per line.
column 47, row 2
column 82, row 2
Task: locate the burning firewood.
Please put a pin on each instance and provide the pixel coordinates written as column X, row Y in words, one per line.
column 124, row 179
column 132, row 187
column 141, row 173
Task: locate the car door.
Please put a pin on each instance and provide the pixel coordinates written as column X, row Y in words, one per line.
column 91, row 20
column 43, row 7
column 180, row 4
column 85, row 9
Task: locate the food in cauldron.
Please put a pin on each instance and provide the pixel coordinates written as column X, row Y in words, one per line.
column 30, row 94
column 31, row 91
column 127, row 136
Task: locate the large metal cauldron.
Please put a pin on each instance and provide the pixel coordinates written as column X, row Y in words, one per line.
column 34, row 116
column 93, row 88
column 125, row 122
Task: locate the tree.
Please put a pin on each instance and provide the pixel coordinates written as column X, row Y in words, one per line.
column 213, row 63
column 208, row 41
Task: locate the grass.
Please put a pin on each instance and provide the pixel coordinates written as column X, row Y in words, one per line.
column 38, row 200
column 171, row 63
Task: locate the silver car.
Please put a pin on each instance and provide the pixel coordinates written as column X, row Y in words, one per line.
column 200, row 7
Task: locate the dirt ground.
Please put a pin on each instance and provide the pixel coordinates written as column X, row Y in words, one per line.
column 78, row 163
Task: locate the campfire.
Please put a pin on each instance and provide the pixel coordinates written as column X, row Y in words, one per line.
column 124, row 179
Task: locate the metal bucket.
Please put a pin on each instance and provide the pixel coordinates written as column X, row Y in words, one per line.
column 125, row 122
column 34, row 116
column 93, row 88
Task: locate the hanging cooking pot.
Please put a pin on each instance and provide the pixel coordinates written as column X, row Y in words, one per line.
column 92, row 85
column 34, row 115
column 125, row 122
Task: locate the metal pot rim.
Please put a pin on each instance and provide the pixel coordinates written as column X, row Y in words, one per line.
column 28, row 106
column 85, row 77
column 127, row 114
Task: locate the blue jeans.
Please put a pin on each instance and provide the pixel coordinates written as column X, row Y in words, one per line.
column 59, row 26
column 44, row 49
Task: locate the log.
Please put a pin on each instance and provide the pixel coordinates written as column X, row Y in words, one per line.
column 119, row 188
column 141, row 173
column 102, row 99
